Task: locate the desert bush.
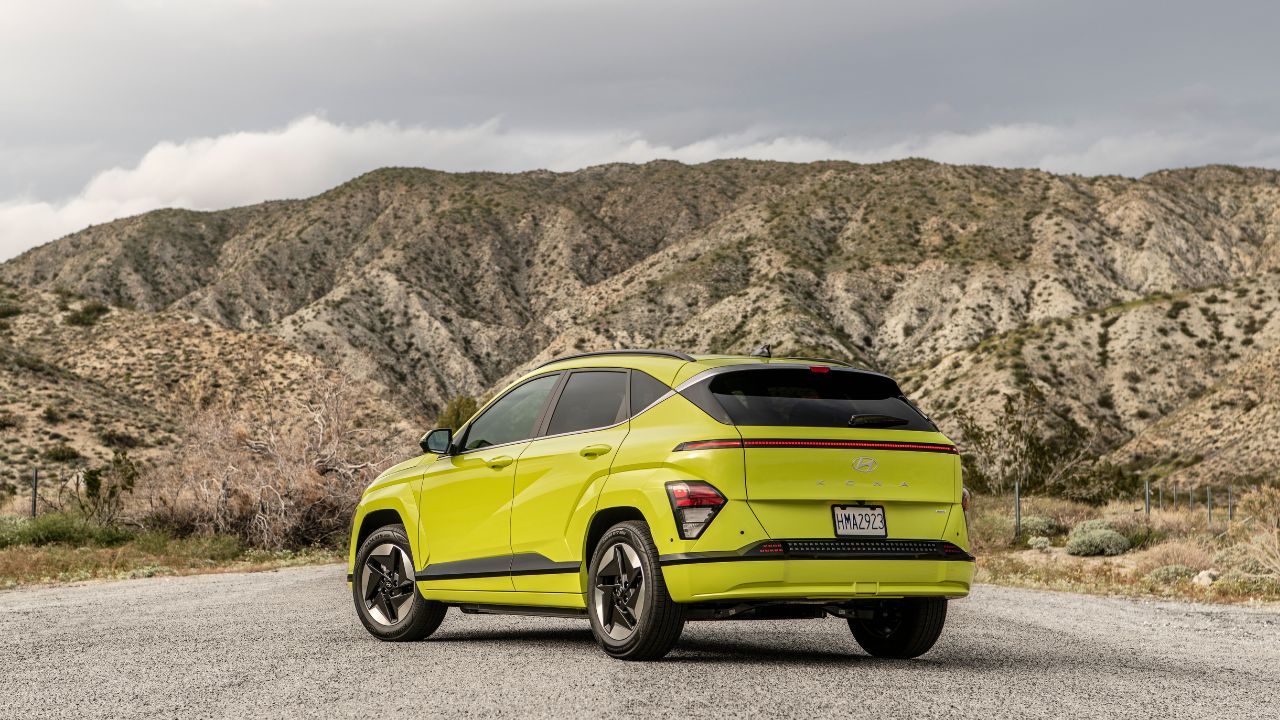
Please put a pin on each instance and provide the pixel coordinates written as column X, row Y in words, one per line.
column 1040, row 525
column 1039, row 542
column 1262, row 504
column 1242, row 583
column 61, row 453
column 1170, row 574
column 99, row 493
column 286, row 477
column 1099, row 541
column 8, row 309
column 1238, row 557
column 1264, row 548
column 88, row 314
column 9, row 421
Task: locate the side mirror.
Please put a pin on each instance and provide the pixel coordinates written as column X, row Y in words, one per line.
column 437, row 441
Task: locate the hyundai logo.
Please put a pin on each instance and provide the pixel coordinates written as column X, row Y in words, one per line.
column 864, row 464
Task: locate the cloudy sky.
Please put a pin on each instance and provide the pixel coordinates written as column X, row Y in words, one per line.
column 112, row 107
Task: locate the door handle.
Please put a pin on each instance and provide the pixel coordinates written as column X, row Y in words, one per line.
column 591, row 451
column 500, row 462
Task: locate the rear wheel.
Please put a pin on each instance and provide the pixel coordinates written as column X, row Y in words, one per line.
column 632, row 615
column 903, row 628
column 384, row 590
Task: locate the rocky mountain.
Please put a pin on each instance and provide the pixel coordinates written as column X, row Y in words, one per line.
column 1144, row 307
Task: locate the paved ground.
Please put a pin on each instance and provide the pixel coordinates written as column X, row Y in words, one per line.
column 287, row 644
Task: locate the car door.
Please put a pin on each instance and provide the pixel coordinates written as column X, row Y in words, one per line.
column 465, row 503
column 559, row 476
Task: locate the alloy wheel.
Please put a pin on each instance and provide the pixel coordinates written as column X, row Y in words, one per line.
column 618, row 598
column 387, row 581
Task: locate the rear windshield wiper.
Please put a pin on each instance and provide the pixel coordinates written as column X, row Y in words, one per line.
column 876, row 421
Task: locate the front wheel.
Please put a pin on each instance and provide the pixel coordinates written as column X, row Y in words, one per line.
column 632, row 615
column 383, row 587
column 904, row 628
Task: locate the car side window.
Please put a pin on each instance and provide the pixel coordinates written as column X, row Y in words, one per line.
column 512, row 417
column 590, row 399
column 645, row 390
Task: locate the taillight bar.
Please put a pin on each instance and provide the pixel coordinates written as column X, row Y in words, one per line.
column 817, row 444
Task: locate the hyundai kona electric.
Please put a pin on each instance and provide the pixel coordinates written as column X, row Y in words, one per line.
column 641, row 489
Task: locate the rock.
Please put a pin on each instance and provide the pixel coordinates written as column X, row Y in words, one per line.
column 1205, row 578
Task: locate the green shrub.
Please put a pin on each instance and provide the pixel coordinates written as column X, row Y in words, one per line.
column 61, row 453
column 1040, row 525
column 1170, row 574
column 1097, row 542
column 88, row 314
column 456, row 412
column 8, row 310
column 61, row 528
column 1238, row 557
column 1245, row 583
column 9, row 421
column 1040, row 543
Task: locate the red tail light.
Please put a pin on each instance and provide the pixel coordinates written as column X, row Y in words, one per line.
column 695, row 505
column 820, row 369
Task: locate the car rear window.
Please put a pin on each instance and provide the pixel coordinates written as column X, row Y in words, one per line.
column 806, row 397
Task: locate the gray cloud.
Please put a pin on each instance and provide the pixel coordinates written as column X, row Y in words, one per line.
column 115, row 107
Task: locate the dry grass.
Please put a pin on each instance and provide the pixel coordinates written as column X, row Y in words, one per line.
column 1192, row 553
column 146, row 556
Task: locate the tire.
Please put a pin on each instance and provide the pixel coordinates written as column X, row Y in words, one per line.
column 632, row 615
column 901, row 629
column 386, row 596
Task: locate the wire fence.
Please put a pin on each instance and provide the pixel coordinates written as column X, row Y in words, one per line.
column 1217, row 503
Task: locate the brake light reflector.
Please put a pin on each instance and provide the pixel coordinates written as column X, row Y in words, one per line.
column 695, row 505
column 819, row 369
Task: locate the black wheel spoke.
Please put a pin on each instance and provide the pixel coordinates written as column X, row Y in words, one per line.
column 626, row 615
column 608, row 609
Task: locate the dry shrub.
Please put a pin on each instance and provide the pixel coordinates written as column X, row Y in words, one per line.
column 1265, row 549
column 1067, row 513
column 1262, row 506
column 1187, row 553
column 275, row 477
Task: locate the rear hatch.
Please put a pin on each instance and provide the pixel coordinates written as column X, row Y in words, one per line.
column 818, row 438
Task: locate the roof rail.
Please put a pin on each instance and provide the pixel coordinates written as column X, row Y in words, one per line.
column 824, row 360
column 654, row 353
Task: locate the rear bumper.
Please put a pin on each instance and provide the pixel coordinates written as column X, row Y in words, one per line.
column 820, row 570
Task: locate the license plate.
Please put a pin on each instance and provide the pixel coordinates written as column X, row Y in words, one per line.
column 859, row 520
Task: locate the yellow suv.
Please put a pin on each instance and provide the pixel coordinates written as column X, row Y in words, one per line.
column 643, row 488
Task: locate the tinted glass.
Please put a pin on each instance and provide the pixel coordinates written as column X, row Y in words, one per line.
column 512, row 417
column 590, row 400
column 645, row 390
column 802, row 397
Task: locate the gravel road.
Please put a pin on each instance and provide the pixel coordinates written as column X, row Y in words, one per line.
column 287, row 644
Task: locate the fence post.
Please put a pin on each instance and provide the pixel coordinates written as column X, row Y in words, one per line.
column 1146, row 490
column 35, row 488
column 1160, row 494
column 1231, row 506
column 1017, row 509
column 1208, row 507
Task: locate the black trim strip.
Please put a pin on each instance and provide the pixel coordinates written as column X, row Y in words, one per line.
column 350, row 577
column 496, row 566
column 530, row 610
column 828, row 549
